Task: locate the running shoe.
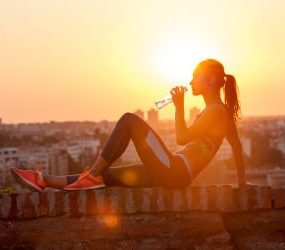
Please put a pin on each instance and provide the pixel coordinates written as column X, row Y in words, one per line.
column 33, row 179
column 86, row 181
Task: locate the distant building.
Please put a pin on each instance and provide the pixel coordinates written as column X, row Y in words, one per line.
column 152, row 118
column 59, row 162
column 193, row 114
column 139, row 113
column 77, row 147
column 130, row 154
column 30, row 128
column 9, row 157
column 86, row 158
column 225, row 151
column 32, row 157
column 281, row 145
column 246, row 145
column 273, row 177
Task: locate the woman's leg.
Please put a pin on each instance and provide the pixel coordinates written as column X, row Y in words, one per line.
column 151, row 149
column 132, row 175
column 60, row 182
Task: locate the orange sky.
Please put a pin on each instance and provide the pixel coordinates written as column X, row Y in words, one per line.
column 95, row 60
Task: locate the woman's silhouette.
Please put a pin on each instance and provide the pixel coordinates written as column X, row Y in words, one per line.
column 160, row 167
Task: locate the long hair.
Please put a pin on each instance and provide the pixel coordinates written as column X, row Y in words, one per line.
column 227, row 81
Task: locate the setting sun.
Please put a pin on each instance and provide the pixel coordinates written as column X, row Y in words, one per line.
column 177, row 57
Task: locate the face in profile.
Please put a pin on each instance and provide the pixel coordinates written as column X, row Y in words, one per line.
column 201, row 82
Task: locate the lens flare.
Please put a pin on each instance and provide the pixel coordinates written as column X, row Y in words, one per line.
column 129, row 177
column 111, row 220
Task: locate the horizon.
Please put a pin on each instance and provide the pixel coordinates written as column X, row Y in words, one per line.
column 72, row 60
column 163, row 119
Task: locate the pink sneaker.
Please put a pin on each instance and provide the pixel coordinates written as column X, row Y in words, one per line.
column 34, row 179
column 86, row 181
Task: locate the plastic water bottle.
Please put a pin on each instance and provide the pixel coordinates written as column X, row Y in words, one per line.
column 166, row 99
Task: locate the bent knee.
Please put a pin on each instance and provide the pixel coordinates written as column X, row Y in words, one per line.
column 129, row 116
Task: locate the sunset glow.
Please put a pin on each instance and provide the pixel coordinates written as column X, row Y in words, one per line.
column 95, row 60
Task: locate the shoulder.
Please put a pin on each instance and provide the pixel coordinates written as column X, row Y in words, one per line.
column 216, row 110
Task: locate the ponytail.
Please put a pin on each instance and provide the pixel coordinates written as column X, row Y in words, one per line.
column 228, row 82
column 231, row 97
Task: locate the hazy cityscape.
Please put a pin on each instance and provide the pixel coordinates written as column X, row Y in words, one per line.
column 67, row 147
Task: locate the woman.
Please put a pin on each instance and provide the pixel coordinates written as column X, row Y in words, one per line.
column 160, row 167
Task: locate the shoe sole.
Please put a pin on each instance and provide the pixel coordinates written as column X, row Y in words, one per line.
column 26, row 183
column 73, row 189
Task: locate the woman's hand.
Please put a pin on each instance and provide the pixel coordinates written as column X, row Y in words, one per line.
column 178, row 96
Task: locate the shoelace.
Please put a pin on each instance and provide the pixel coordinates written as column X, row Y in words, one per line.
column 86, row 170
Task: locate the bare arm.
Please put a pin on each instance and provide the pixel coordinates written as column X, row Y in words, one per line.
column 210, row 117
column 180, row 125
column 234, row 141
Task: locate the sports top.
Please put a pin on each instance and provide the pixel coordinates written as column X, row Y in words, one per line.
column 200, row 150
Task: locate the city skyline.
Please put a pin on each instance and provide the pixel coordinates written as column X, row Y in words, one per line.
column 187, row 118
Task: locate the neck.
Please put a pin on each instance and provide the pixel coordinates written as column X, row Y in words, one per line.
column 212, row 98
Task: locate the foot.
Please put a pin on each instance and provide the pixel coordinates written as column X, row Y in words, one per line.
column 33, row 179
column 86, row 181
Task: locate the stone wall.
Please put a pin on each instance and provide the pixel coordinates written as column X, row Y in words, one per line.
column 212, row 217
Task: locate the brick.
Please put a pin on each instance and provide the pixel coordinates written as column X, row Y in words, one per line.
column 198, row 196
column 252, row 197
column 178, row 200
column 129, row 201
column 81, row 202
column 137, row 196
column 203, row 199
column 165, row 199
column 212, row 196
column 116, row 198
column 100, row 201
column 225, row 199
column 90, row 203
column 28, row 205
column 43, row 207
column 188, row 198
column 146, row 199
column 155, row 201
column 103, row 204
column 51, row 203
column 168, row 199
column 240, row 199
column 5, row 205
column 73, row 204
column 279, row 198
column 58, row 203
column 13, row 206
column 264, row 197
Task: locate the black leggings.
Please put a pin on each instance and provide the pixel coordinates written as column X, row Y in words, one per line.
column 163, row 167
